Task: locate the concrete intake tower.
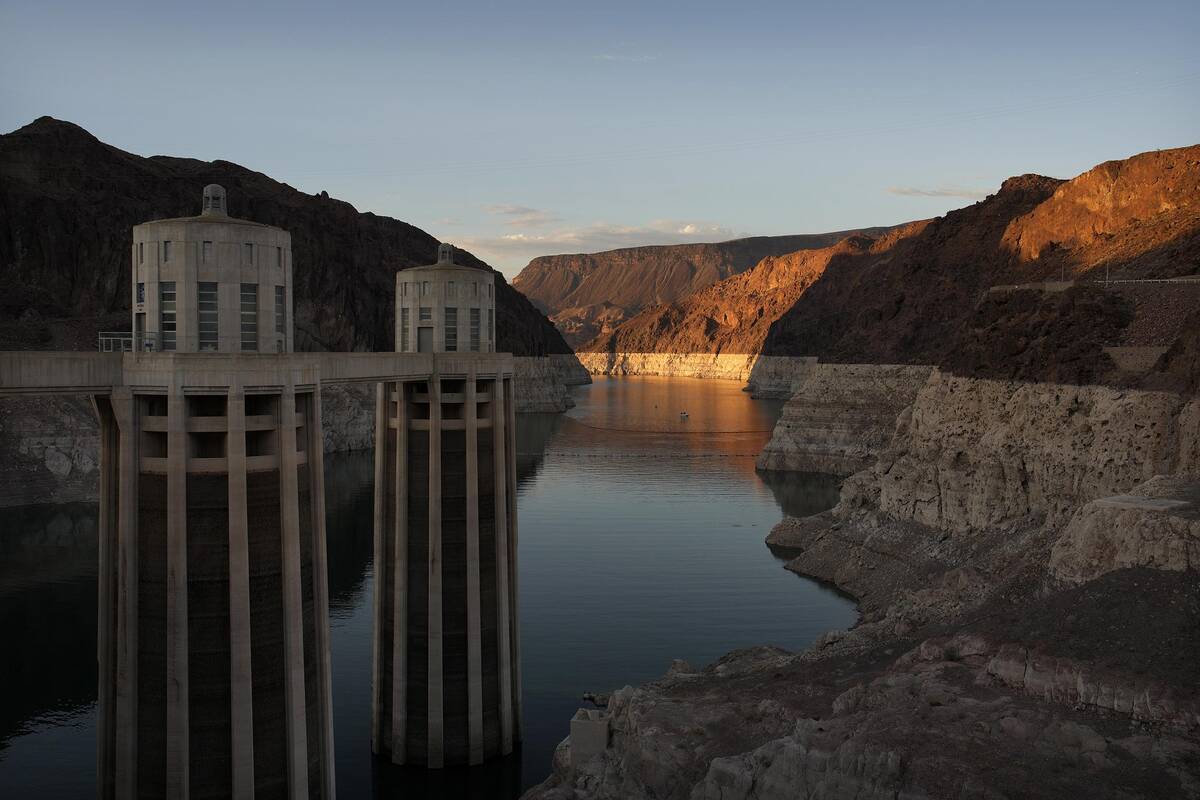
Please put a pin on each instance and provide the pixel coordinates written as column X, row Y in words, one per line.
column 214, row 637
column 447, row 665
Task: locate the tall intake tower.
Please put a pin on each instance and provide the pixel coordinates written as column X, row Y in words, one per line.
column 213, row 629
column 446, row 677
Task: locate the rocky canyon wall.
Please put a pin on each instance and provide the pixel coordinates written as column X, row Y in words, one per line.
column 841, row 417
column 975, row 454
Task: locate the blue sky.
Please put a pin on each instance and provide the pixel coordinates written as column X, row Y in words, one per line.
column 517, row 129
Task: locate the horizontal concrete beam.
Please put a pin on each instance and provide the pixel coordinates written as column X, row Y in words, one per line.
column 40, row 372
column 49, row 372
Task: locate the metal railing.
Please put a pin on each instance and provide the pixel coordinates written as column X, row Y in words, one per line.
column 152, row 342
column 129, row 342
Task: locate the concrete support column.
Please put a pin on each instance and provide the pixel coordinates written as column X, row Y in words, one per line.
column 503, row 624
column 106, row 618
column 177, row 609
column 399, row 643
column 125, row 689
column 240, row 668
column 510, row 472
column 293, row 608
column 474, row 636
column 379, row 566
column 320, row 571
column 436, row 705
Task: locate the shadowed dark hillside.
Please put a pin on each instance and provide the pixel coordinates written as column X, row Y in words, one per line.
column 68, row 203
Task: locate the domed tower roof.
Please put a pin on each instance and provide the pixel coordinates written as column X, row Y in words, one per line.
column 214, row 201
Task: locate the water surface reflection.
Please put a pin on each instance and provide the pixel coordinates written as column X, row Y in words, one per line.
column 641, row 540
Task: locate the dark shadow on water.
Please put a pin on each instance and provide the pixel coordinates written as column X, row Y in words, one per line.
column 534, row 432
column 498, row 779
column 802, row 494
column 48, row 565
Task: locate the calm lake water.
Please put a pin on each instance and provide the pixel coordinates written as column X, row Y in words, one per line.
column 641, row 541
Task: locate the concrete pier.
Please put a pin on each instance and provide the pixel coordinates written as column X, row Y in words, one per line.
column 446, row 690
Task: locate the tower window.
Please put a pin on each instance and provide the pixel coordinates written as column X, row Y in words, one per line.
column 166, row 251
column 166, row 314
column 451, row 329
column 141, row 252
column 449, row 288
column 206, row 315
column 279, row 257
column 424, row 287
column 249, row 316
column 475, row 330
column 491, row 326
column 424, row 314
column 205, row 252
column 280, row 311
column 141, row 292
column 404, row 330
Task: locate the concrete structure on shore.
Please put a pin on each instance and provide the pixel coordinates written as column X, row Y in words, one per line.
column 213, row 633
column 447, row 668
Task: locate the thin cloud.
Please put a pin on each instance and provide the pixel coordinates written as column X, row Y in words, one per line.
column 916, row 191
column 522, row 216
column 626, row 58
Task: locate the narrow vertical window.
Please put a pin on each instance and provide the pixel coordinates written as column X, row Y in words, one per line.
column 279, row 257
column 206, row 315
column 451, row 329
column 141, row 292
column 206, row 252
column 424, row 287
column 249, row 316
column 280, row 311
column 141, row 252
column 491, row 327
column 248, row 253
column 404, row 330
column 166, row 314
column 166, row 251
column 449, row 288
column 424, row 314
column 475, row 330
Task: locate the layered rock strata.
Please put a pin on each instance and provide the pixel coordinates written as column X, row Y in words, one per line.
column 1024, row 556
column 841, row 417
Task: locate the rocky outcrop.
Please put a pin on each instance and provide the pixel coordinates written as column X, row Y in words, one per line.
column 51, row 448
column 1030, row 621
column 975, row 454
column 1156, row 525
column 586, row 294
column 543, row 384
column 841, row 417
